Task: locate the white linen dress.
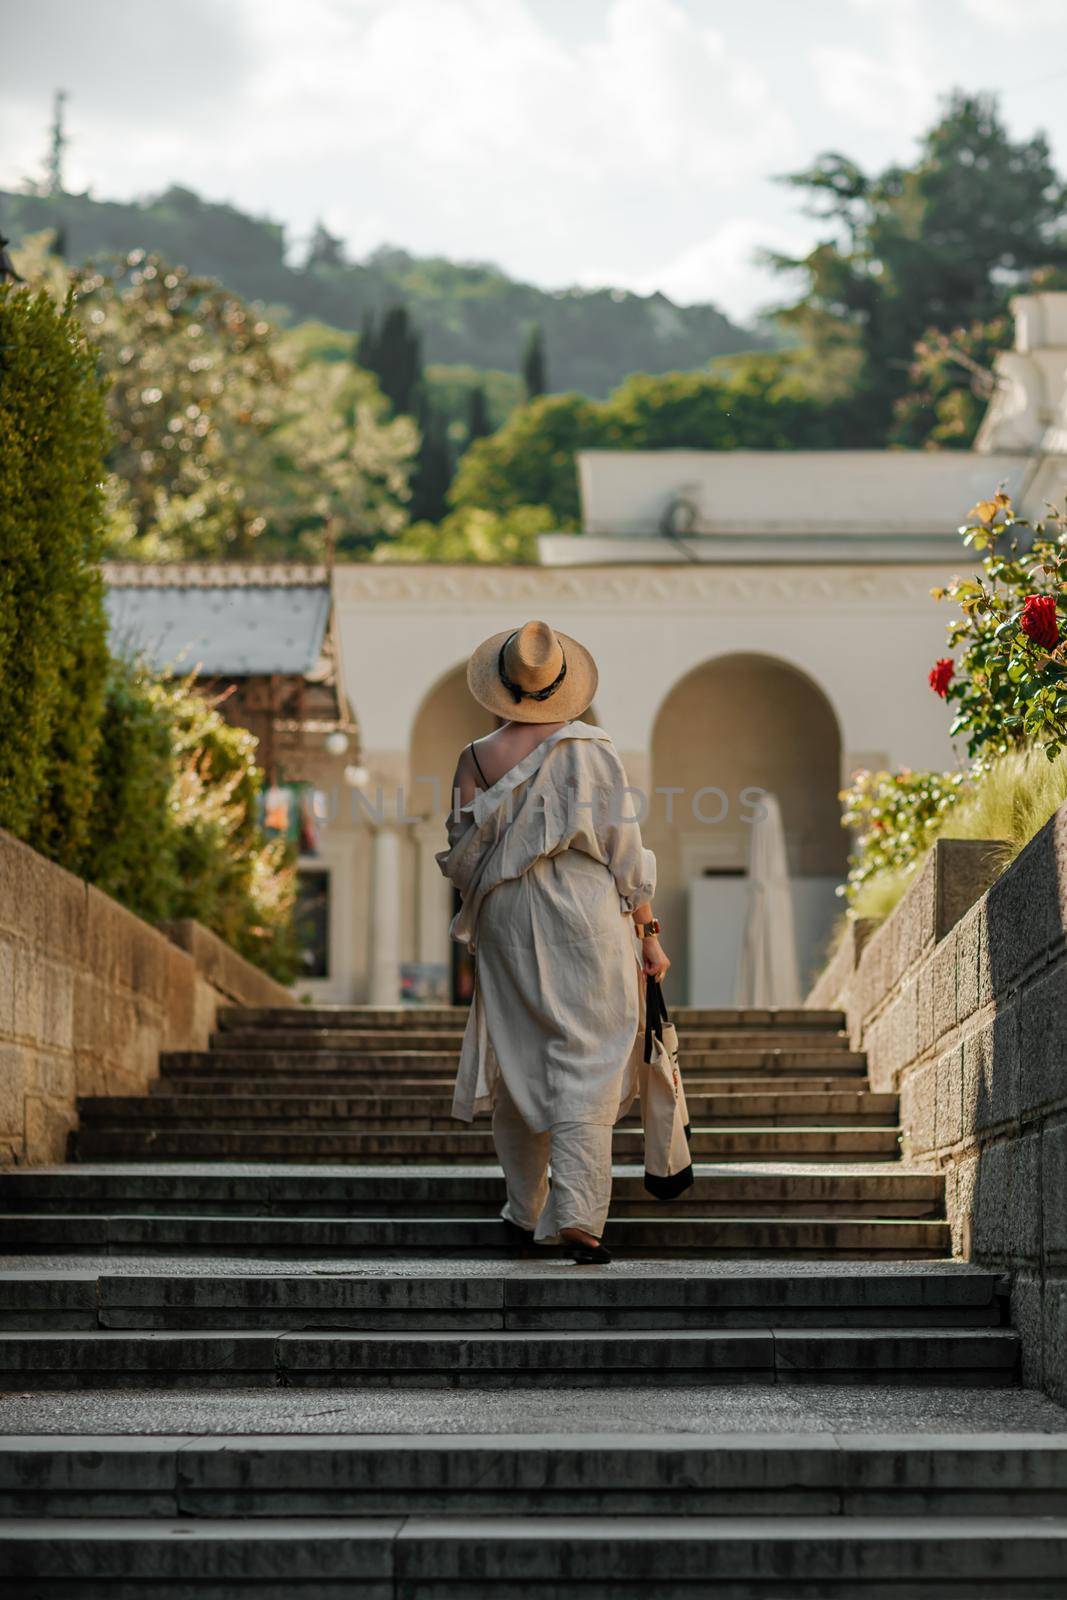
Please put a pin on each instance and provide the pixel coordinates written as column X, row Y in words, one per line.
column 549, row 861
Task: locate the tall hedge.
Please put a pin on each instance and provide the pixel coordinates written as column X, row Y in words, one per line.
column 53, row 631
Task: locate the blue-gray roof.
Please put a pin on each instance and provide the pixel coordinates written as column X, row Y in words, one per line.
column 221, row 630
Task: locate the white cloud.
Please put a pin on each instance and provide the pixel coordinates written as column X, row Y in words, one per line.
column 724, row 268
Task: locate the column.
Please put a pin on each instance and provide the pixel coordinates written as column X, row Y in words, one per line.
column 385, row 917
column 434, row 893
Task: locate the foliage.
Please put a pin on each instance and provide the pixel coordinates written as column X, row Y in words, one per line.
column 894, row 818
column 391, row 348
column 940, row 244
column 222, row 445
column 756, row 404
column 1009, row 685
column 469, row 313
column 532, row 363
column 478, row 423
column 53, row 437
column 1010, row 800
column 472, row 534
column 950, row 384
column 175, row 820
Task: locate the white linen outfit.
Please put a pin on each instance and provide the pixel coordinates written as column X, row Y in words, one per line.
column 549, row 861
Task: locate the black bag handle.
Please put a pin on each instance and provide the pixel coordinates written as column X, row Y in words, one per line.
column 655, row 1013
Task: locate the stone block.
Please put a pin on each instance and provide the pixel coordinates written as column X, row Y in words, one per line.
column 942, row 968
column 48, row 1125
column 960, row 1203
column 224, row 969
column 991, row 1203
column 28, row 994
column 57, row 1004
column 15, row 1071
column 1023, row 1240
column 926, row 1033
column 1028, row 1319
column 1043, row 1042
column 968, row 949
column 7, row 985
column 1054, row 1373
column 948, row 1115
column 1024, row 915
column 1054, row 1195
column 990, row 1076
column 918, row 1102
column 40, row 903
column 963, row 870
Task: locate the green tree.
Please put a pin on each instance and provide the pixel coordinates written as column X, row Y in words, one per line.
column 472, row 534
column 324, row 249
column 530, row 460
column 938, row 245
column 432, row 474
column 53, row 440
column 478, row 423
column 532, row 365
column 392, row 349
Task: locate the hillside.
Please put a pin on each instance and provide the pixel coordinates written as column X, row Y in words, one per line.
column 470, row 313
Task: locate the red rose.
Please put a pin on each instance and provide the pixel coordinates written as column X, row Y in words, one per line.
column 1038, row 621
column 941, row 675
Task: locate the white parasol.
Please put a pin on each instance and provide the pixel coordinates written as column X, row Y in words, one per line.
column 767, row 964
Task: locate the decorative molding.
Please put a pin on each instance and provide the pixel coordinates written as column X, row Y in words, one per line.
column 445, row 589
column 214, row 575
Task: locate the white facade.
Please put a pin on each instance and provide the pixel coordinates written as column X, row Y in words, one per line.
column 759, row 620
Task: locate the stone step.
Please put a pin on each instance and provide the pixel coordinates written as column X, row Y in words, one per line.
column 658, row 1237
column 436, row 1092
column 266, row 1358
column 443, row 1063
column 538, row 1475
column 516, row 1558
column 336, row 1039
column 241, row 1018
column 350, row 1113
column 886, row 1191
column 276, row 1144
column 509, row 1300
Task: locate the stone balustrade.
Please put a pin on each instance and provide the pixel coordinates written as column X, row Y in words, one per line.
column 959, row 999
column 90, row 994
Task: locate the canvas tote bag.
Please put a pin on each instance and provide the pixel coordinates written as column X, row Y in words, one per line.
column 668, row 1164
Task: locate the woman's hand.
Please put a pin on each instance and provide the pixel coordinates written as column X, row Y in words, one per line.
column 654, row 959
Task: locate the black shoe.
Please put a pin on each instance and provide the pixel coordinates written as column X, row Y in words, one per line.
column 519, row 1239
column 587, row 1255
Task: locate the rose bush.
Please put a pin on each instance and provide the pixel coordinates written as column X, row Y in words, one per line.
column 1009, row 680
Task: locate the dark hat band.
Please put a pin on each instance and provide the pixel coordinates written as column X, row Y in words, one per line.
column 516, row 691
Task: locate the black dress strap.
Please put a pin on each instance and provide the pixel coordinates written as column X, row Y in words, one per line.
column 477, row 763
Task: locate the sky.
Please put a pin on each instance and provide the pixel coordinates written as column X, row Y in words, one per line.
column 625, row 142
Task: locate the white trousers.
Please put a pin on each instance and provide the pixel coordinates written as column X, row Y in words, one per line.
column 579, row 1154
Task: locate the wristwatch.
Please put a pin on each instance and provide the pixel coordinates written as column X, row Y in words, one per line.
column 648, row 929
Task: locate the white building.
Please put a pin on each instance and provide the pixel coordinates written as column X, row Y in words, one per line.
column 761, row 620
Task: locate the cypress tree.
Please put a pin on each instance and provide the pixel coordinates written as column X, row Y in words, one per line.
column 395, row 357
column 534, row 372
column 432, row 476
column 478, row 423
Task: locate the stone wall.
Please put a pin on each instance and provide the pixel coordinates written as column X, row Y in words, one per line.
column 960, row 1000
column 90, row 994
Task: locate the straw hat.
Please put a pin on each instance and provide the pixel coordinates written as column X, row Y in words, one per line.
column 532, row 674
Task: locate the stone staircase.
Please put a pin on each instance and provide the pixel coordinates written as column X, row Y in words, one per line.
column 263, row 1335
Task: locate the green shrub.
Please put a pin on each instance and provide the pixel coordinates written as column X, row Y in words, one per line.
column 53, row 441
column 894, row 817
column 175, row 828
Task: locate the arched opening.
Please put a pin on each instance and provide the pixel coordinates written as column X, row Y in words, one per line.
column 735, row 725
